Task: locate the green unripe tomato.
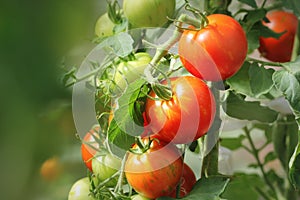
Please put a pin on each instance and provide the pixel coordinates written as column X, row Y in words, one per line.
column 138, row 197
column 128, row 72
column 148, row 13
column 80, row 190
column 104, row 167
column 104, row 26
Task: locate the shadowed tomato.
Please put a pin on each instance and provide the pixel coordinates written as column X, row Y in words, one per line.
column 187, row 182
column 217, row 51
column 279, row 50
column 148, row 13
column 155, row 169
column 88, row 146
column 187, row 116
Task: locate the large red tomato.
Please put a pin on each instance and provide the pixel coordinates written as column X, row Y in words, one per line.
column 279, row 50
column 156, row 171
column 217, row 51
column 89, row 146
column 186, row 116
column 187, row 182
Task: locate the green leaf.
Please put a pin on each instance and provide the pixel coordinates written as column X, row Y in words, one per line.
column 260, row 79
column 128, row 120
column 240, row 81
column 121, row 44
column 288, row 82
column 232, row 143
column 244, row 186
column 293, row 5
column 251, row 3
column 270, row 157
column 294, row 166
column 236, row 107
column 206, row 189
column 119, row 141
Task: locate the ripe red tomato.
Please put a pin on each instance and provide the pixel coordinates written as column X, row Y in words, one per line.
column 215, row 52
column 87, row 150
column 155, row 172
column 186, row 116
column 279, row 50
column 187, row 182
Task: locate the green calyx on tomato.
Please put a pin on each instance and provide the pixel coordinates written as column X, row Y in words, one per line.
column 279, row 49
column 80, row 190
column 148, row 13
column 186, row 184
column 130, row 70
column 187, row 116
column 216, row 51
column 157, row 171
column 105, row 168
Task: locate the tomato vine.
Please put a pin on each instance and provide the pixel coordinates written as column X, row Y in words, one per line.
column 210, row 49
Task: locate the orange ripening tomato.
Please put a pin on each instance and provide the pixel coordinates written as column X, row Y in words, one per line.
column 88, row 146
column 156, row 171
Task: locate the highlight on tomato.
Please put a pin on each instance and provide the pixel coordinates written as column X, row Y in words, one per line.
column 187, row 116
column 216, row 51
column 153, row 168
column 80, row 190
column 279, row 50
column 89, row 146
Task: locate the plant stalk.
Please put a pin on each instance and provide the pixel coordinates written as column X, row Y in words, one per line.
column 210, row 161
column 260, row 165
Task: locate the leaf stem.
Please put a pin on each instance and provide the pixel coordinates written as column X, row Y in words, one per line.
column 260, row 165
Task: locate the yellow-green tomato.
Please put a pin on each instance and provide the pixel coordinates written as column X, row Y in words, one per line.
column 104, row 167
column 80, row 190
column 148, row 13
column 138, row 197
column 104, row 26
column 129, row 71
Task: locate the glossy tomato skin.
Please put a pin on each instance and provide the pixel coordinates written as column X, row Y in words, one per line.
column 215, row 52
column 87, row 152
column 129, row 71
column 80, row 190
column 104, row 26
column 187, row 116
column 187, row 182
column 148, row 13
column 156, row 172
column 279, row 50
column 104, row 167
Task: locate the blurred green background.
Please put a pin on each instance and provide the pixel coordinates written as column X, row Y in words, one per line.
column 36, row 125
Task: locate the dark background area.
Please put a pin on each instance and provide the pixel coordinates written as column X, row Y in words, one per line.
column 36, row 39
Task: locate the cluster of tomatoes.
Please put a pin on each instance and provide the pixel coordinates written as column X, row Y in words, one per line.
column 154, row 165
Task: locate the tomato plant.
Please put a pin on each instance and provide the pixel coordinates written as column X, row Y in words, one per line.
column 80, row 190
column 279, row 49
column 186, row 116
column 104, row 167
column 215, row 52
column 154, row 169
column 148, row 13
column 200, row 98
column 186, row 184
column 89, row 147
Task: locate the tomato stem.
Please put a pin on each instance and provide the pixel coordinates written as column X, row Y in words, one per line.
column 210, row 162
column 255, row 153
